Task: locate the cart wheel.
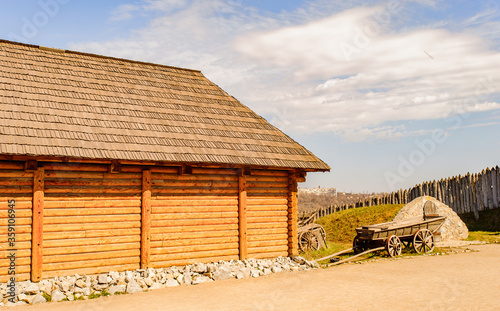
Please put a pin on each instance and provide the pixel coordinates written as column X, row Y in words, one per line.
column 308, row 241
column 358, row 246
column 423, row 241
column 393, row 246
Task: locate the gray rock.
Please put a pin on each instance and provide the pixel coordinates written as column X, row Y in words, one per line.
column 102, row 279
column 29, row 288
column 77, row 290
column 23, row 297
column 171, row 283
column 80, row 283
column 38, row 299
column 57, row 295
column 199, row 268
column 187, row 276
column 199, row 279
column 117, row 289
column 133, row 287
column 86, row 291
column 223, row 273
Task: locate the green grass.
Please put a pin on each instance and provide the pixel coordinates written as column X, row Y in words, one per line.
column 340, row 227
column 484, row 236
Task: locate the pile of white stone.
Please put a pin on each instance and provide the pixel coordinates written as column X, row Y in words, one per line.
column 91, row 286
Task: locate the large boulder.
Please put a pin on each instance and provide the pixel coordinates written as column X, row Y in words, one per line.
column 453, row 227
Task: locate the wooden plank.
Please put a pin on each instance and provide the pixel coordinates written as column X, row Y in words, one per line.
column 87, row 219
column 266, row 237
column 208, row 183
column 96, row 255
column 269, row 255
column 242, row 216
column 254, row 232
column 20, row 277
column 292, row 216
column 92, row 226
column 91, row 264
column 195, row 241
column 146, row 220
column 162, row 210
column 268, row 249
column 267, row 225
column 188, row 261
column 16, row 174
column 92, row 182
column 76, row 212
column 193, row 235
column 266, row 213
column 100, row 204
column 189, row 215
column 11, row 165
column 75, row 167
column 91, row 233
column 192, row 248
column 176, row 201
column 267, row 219
column 193, row 222
column 255, row 244
column 91, row 241
column 227, row 227
column 37, row 233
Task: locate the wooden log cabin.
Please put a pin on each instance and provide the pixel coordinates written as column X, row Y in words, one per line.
column 109, row 164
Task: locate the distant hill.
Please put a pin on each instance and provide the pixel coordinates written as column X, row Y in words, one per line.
column 312, row 199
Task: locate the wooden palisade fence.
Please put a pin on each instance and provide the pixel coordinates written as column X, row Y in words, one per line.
column 464, row 194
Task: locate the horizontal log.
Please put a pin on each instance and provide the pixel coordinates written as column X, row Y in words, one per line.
column 171, row 177
column 271, row 243
column 11, row 166
column 16, row 182
column 79, row 203
column 270, row 225
column 193, row 222
column 175, row 190
column 48, row 259
column 90, row 241
column 97, row 190
column 202, row 201
column 259, row 184
column 15, row 190
column 93, row 182
column 19, row 245
column 160, row 210
column 19, row 262
column 25, row 229
column 256, row 232
column 253, row 201
column 158, row 252
column 20, row 213
column 20, row 204
column 181, row 236
column 91, row 249
column 257, row 220
column 268, row 255
column 90, row 197
column 91, row 270
column 20, row 253
column 20, row 276
column 16, row 174
column 19, row 221
column 192, row 255
column 87, row 175
column 269, row 173
column 91, row 234
column 75, row 167
column 90, row 211
column 267, row 213
column 266, row 237
column 225, row 227
column 214, row 171
column 90, row 264
column 188, row 215
column 268, row 249
column 192, row 242
column 90, row 219
column 183, row 262
column 283, row 180
column 199, row 184
column 164, row 170
column 91, row 226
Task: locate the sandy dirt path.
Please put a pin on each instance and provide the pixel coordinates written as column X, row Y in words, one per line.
column 465, row 281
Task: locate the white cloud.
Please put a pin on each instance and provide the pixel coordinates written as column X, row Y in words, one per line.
column 124, row 12
column 349, row 73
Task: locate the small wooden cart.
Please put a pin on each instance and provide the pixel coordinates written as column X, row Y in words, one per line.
column 393, row 236
column 311, row 236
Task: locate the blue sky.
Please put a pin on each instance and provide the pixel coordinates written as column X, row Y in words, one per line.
column 388, row 93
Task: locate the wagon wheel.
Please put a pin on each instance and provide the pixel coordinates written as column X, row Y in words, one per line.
column 308, row 241
column 359, row 246
column 393, row 246
column 423, row 241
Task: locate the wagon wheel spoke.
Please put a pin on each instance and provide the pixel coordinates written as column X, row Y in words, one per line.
column 308, row 241
column 393, row 246
column 423, row 241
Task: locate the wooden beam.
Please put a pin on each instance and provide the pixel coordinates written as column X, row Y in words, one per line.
column 293, row 242
column 242, row 216
column 37, row 225
column 146, row 220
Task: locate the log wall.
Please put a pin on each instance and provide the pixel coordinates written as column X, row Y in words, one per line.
column 91, row 218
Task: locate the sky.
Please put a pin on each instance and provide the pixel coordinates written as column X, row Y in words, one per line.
column 388, row 93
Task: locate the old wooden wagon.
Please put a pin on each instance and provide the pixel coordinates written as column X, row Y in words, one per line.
column 111, row 164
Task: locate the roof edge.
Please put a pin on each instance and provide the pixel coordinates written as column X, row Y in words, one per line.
column 45, row 48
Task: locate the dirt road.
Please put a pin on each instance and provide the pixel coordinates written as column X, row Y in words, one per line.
column 465, row 281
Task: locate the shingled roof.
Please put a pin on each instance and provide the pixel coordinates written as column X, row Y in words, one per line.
column 70, row 104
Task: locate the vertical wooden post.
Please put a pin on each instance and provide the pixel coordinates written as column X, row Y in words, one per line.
column 242, row 215
column 146, row 220
column 293, row 240
column 37, row 225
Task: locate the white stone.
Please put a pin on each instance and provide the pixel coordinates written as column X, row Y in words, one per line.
column 148, row 281
column 102, row 279
column 29, row 288
column 38, row 299
column 133, row 287
column 117, row 289
column 171, row 283
column 57, row 295
column 156, row 286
